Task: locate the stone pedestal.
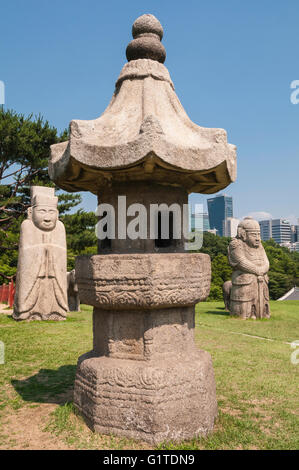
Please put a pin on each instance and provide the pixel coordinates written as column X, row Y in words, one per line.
column 173, row 399
column 145, row 378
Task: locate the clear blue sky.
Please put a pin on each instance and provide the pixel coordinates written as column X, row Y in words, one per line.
column 232, row 63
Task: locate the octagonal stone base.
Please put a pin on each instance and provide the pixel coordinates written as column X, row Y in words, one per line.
column 154, row 402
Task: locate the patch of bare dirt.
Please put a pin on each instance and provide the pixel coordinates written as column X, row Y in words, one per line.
column 265, row 401
column 24, row 429
column 259, row 407
column 231, row 412
column 4, row 309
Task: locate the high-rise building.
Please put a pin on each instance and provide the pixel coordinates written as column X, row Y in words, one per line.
column 230, row 226
column 196, row 222
column 281, row 230
column 294, row 233
column 220, row 208
column 206, row 223
column 278, row 229
column 266, row 229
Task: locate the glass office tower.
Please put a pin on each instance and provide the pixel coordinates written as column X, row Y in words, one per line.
column 220, row 208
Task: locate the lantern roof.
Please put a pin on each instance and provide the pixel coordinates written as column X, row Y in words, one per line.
column 145, row 133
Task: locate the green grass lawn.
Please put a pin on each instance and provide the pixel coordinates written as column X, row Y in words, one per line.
column 257, row 385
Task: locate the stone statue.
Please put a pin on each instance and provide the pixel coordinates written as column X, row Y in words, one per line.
column 73, row 292
column 41, row 284
column 226, row 290
column 249, row 296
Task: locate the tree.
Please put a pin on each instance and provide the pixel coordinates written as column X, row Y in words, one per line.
column 24, row 152
column 284, row 269
column 80, row 235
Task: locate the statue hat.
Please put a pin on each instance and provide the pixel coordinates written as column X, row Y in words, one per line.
column 249, row 224
column 41, row 200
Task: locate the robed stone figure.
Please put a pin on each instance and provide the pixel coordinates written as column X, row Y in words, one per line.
column 249, row 295
column 41, row 284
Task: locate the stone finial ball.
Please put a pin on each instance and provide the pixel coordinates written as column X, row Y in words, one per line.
column 147, row 24
column 147, row 33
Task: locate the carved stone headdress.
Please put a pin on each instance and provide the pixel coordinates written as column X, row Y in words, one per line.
column 40, row 200
column 43, row 196
column 248, row 224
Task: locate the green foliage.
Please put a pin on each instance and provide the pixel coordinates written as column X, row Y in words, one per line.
column 283, row 273
column 216, row 248
column 24, row 151
column 284, row 269
column 214, row 245
column 80, row 235
column 67, row 201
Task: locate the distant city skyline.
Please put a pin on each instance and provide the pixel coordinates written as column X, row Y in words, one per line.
column 257, row 214
column 232, row 64
column 229, row 221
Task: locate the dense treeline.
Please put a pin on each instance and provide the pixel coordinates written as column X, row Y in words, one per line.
column 283, row 273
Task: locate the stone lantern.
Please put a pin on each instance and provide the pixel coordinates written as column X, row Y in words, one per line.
column 144, row 377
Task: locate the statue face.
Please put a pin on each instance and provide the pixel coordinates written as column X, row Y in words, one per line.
column 44, row 217
column 253, row 238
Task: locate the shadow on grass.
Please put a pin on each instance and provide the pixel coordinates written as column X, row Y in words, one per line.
column 218, row 311
column 48, row 385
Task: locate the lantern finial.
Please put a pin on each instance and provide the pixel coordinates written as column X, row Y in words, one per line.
column 147, row 33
